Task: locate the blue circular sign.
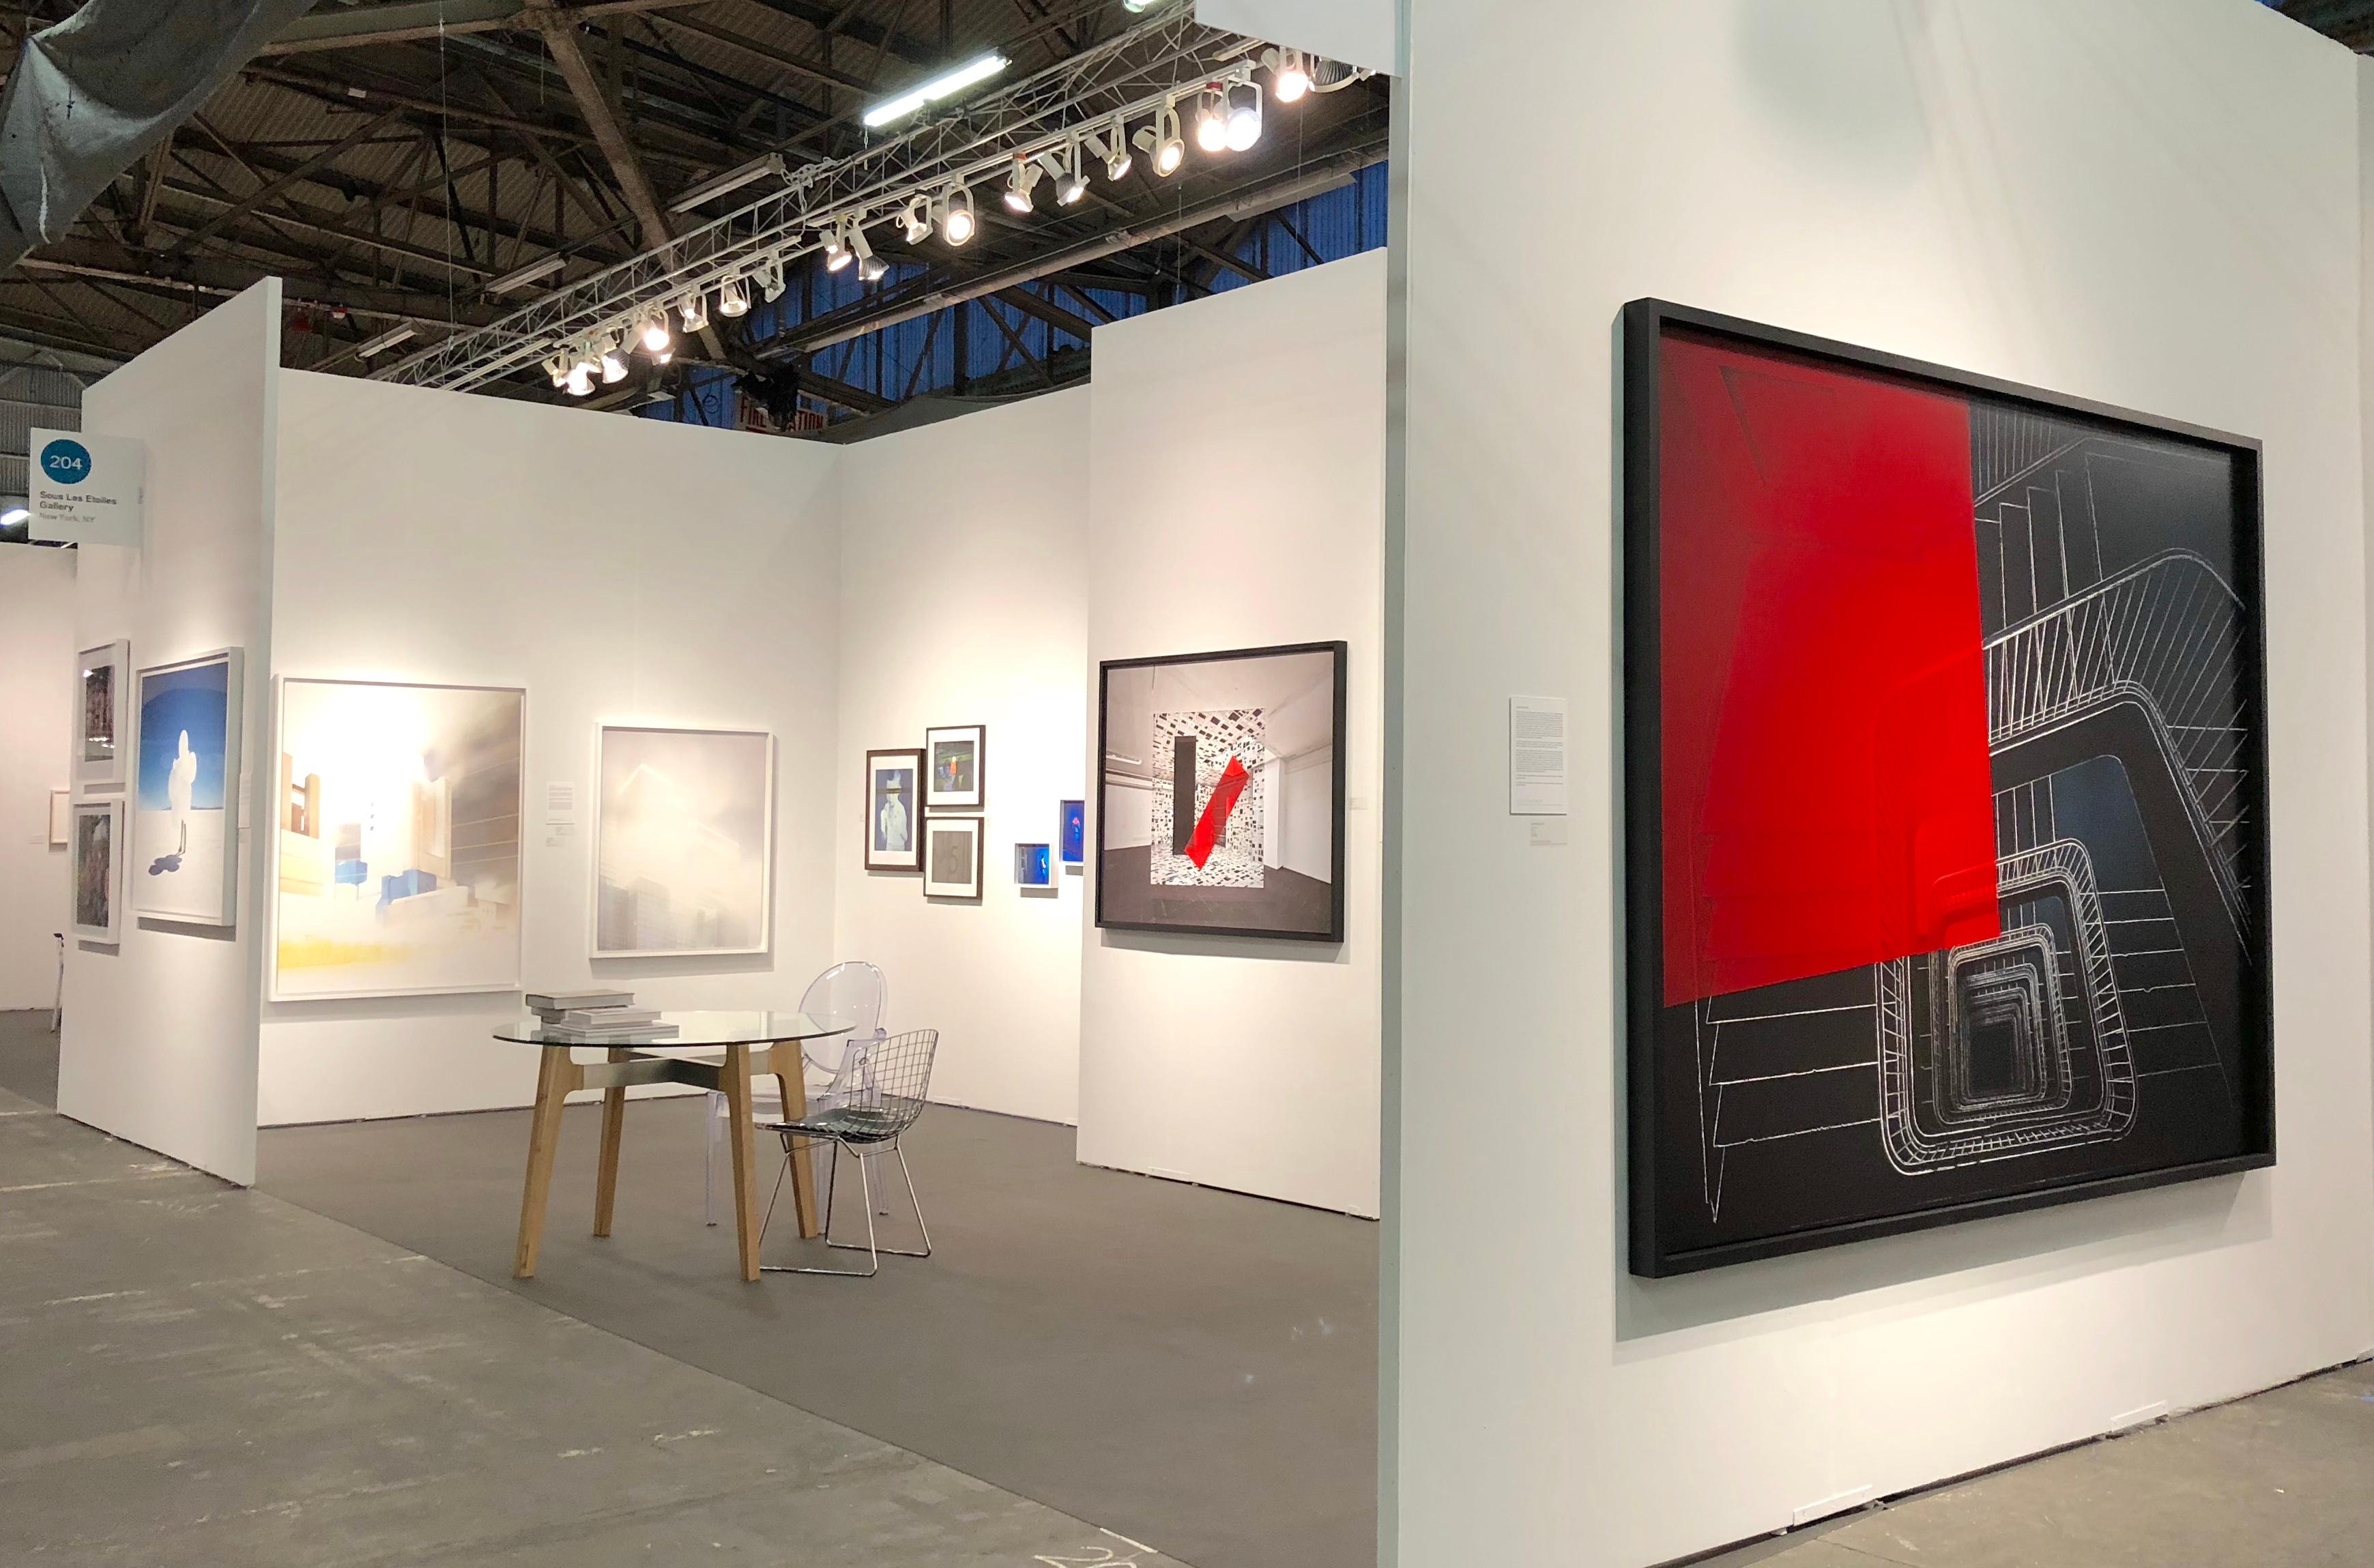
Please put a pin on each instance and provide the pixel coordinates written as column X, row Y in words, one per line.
column 66, row 462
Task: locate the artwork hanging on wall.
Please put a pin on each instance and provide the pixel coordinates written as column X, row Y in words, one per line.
column 396, row 857
column 1071, row 834
column 952, row 857
column 955, row 755
column 1034, row 865
column 60, row 819
column 98, row 870
column 894, row 814
column 683, row 842
column 185, row 860
column 1222, row 809
column 102, row 692
column 1947, row 786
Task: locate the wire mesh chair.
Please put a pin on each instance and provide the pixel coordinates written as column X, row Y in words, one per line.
column 852, row 992
column 889, row 1079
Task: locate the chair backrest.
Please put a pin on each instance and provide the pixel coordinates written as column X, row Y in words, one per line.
column 854, row 993
column 888, row 1081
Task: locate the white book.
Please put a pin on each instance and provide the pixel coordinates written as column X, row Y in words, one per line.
column 562, row 1002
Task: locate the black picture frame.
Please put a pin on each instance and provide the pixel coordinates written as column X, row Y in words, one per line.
column 910, row 863
column 1338, row 653
column 1645, row 324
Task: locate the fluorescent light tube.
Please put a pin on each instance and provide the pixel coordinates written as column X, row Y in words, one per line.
column 938, row 87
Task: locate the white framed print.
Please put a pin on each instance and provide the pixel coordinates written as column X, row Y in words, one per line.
column 396, row 863
column 683, row 842
column 952, row 857
column 955, row 755
column 98, row 869
column 184, row 852
column 101, row 696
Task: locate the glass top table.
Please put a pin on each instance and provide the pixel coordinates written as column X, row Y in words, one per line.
column 692, row 1029
column 735, row 1047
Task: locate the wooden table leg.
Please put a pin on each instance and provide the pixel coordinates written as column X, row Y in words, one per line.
column 736, row 1078
column 543, row 1141
column 613, row 1124
column 793, row 1086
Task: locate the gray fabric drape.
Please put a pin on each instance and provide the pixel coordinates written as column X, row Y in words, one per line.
column 92, row 93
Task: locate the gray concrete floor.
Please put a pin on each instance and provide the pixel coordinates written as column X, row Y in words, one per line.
column 29, row 1056
column 191, row 1375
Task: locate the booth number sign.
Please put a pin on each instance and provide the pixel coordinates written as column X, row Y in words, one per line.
column 87, row 489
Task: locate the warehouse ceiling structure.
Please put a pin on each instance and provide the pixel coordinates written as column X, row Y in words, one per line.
column 458, row 192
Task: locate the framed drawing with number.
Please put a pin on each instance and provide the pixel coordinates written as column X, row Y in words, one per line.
column 952, row 852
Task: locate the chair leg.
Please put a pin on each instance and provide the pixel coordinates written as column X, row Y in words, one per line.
column 866, row 1186
column 912, row 1200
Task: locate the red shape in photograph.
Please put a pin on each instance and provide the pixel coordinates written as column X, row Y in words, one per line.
column 1215, row 820
column 1828, row 800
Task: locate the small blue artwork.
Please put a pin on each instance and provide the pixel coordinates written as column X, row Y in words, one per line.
column 1034, row 865
column 1074, row 835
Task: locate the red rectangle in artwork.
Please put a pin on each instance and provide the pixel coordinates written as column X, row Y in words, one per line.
column 1827, row 793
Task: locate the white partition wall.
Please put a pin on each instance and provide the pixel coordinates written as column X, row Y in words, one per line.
column 1235, row 487
column 2151, row 202
column 964, row 593
column 159, row 1038
column 37, row 715
column 621, row 570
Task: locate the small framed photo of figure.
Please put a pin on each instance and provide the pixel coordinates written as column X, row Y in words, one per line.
column 954, row 754
column 894, row 812
column 98, row 869
column 1071, row 833
column 952, row 857
column 1034, row 865
column 185, row 790
column 101, row 743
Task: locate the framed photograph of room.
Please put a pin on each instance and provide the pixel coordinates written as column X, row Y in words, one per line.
column 183, row 861
column 1946, row 764
column 1222, row 803
column 397, row 860
column 102, row 695
column 98, row 869
column 952, row 851
column 894, row 810
column 683, row 842
column 955, row 755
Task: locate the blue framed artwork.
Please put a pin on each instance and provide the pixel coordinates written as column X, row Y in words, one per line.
column 184, row 864
column 1034, row 865
column 1072, row 836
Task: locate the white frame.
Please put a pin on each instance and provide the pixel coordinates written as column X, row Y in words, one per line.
column 966, row 890
column 956, row 799
column 111, row 807
column 103, row 776
column 1054, row 867
column 62, row 819
column 594, row 868
column 273, row 992
column 234, row 742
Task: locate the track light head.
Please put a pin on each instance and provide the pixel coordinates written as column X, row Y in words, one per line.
column 580, row 381
column 1072, row 185
column 837, row 253
column 1212, row 122
column 733, row 298
column 1289, row 74
column 870, row 267
column 915, row 223
column 557, row 369
column 694, row 310
column 1021, row 184
column 656, row 338
column 1244, row 117
column 768, row 276
column 1114, row 147
column 614, row 359
column 1162, row 143
column 958, row 222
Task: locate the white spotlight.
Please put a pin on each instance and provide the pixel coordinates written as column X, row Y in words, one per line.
column 1289, row 74
column 614, row 359
column 1020, row 184
column 656, row 338
column 1162, row 141
column 769, row 278
column 938, row 87
column 1072, row 185
column 837, row 253
column 957, row 222
column 1245, row 116
column 1212, row 123
column 694, row 310
column 870, row 267
column 557, row 369
column 915, row 223
column 1114, row 147
column 581, row 366
column 733, row 299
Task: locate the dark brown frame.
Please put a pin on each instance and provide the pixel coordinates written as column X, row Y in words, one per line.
column 865, row 808
column 980, row 768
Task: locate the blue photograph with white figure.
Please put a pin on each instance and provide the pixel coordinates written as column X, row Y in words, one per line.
column 188, row 774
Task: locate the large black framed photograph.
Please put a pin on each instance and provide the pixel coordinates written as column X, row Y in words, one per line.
column 1946, row 845
column 1220, row 809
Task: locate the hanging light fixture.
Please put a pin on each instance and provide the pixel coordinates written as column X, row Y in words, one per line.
column 835, row 249
column 958, row 222
column 581, row 369
column 656, row 338
column 870, row 267
column 769, row 275
column 1162, row 142
column 694, row 312
column 1244, row 119
column 1212, row 122
column 915, row 223
column 733, row 298
column 614, row 359
column 557, row 369
column 1072, row 185
column 1114, row 147
column 1020, row 184
column 1289, row 74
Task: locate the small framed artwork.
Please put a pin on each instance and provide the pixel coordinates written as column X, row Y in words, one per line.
column 185, row 829
column 894, row 810
column 98, row 869
column 955, row 755
column 1034, row 865
column 61, row 818
column 1071, row 833
column 952, row 857
column 100, row 741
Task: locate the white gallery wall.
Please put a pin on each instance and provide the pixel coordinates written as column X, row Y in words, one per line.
column 964, row 600
column 2151, row 202
column 37, row 717
column 1235, row 483
column 159, row 1039
column 623, row 571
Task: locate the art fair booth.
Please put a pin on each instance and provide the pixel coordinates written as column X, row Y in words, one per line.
column 431, row 703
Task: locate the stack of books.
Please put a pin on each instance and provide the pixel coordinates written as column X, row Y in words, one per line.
column 597, row 1017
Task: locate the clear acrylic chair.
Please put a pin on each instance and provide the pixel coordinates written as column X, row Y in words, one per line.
column 853, row 992
column 888, row 1096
